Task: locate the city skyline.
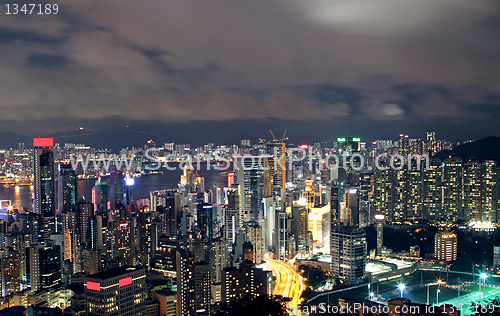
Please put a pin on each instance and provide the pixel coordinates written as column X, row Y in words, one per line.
column 315, row 64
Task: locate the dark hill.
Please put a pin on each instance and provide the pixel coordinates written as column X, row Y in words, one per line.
column 484, row 149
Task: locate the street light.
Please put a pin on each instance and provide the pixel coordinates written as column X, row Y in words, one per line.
column 372, row 295
column 437, row 296
column 482, row 276
column 401, row 287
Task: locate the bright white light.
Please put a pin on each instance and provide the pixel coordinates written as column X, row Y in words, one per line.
column 379, row 216
column 372, row 294
column 401, row 286
column 353, row 191
column 130, row 181
column 483, row 276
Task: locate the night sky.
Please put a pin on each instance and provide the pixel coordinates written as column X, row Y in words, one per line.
column 235, row 68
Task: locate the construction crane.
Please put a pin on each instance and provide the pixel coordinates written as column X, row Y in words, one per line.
column 282, row 139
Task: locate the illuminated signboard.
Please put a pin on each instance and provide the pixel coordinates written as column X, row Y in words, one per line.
column 303, row 146
column 123, row 224
column 130, row 181
column 356, row 139
column 341, row 139
column 125, row 281
column 379, row 216
column 43, row 142
column 94, row 286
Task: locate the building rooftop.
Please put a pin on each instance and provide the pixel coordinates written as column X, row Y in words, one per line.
column 114, row 273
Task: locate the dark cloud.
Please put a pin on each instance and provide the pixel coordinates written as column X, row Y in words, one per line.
column 218, row 60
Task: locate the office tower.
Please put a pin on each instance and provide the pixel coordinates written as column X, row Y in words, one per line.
column 83, row 212
column 350, row 216
column 123, row 239
column 248, row 253
column 452, row 188
column 445, row 246
column 348, row 250
column 230, row 225
column 91, row 261
column 319, row 223
column 404, row 145
column 45, row 266
column 413, row 208
column 44, row 177
column 280, row 237
column 168, row 204
column 379, row 218
column 100, row 196
column 67, row 193
column 246, row 280
column 219, row 259
column 128, row 187
column 275, row 176
column 472, row 191
column 120, row 291
column 253, row 234
column 11, row 271
column 164, row 260
column 205, row 221
column 193, row 285
column 432, row 189
column 249, row 175
column 383, row 195
column 489, row 191
column 335, row 206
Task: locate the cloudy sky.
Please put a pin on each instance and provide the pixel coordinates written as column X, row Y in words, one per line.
column 313, row 67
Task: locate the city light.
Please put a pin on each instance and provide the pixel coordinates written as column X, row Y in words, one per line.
column 401, row 287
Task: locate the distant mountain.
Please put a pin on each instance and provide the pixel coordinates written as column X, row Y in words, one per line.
column 12, row 140
column 481, row 150
column 111, row 139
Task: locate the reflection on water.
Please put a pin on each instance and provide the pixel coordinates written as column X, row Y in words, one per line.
column 22, row 196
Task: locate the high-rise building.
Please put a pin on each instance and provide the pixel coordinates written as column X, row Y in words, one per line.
column 205, row 221
column 11, row 271
column 452, row 188
column 67, row 193
column 348, row 251
column 445, row 246
column 193, row 286
column 489, row 191
column 432, row 192
column 246, row 280
column 249, row 175
column 118, row 292
column 404, row 145
column 275, row 175
column 496, row 256
column 44, row 177
column 253, row 234
column 472, row 191
column 45, row 266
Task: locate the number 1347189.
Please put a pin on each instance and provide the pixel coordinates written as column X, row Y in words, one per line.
column 15, row 8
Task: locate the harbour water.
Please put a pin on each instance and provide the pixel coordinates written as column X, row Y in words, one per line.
column 22, row 196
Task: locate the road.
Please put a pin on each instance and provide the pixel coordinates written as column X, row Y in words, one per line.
column 288, row 282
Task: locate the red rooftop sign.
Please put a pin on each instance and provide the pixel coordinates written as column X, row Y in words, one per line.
column 43, row 142
column 94, row 286
column 125, row 281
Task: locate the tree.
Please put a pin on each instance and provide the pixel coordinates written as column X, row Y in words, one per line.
column 251, row 306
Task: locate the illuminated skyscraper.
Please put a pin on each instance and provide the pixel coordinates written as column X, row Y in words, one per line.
column 432, row 189
column 472, row 191
column 275, row 176
column 404, row 145
column 118, row 292
column 452, row 188
column 489, row 191
column 67, row 193
column 445, row 246
column 44, row 174
column 193, row 286
column 45, row 266
column 249, row 175
column 348, row 250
